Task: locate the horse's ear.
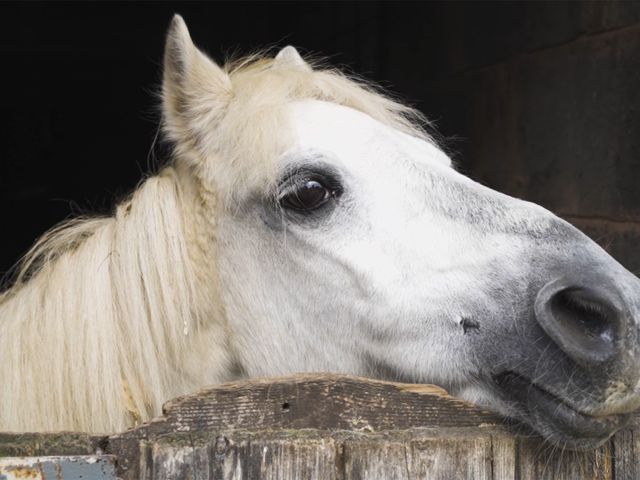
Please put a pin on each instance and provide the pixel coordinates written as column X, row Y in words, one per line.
column 194, row 89
column 289, row 56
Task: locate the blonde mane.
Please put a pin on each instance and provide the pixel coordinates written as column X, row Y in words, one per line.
column 104, row 321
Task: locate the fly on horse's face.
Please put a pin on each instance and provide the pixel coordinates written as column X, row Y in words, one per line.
column 374, row 256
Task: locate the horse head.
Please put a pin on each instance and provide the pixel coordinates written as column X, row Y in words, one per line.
column 346, row 241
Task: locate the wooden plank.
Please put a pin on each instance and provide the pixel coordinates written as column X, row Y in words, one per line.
column 504, row 456
column 415, row 453
column 371, row 459
column 419, row 429
column 253, row 457
column 174, row 459
column 626, row 445
column 451, row 457
column 274, row 459
column 85, row 467
column 538, row 460
column 335, row 427
column 477, row 453
column 46, row 444
column 324, row 402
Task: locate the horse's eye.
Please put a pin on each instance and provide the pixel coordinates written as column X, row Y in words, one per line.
column 309, row 196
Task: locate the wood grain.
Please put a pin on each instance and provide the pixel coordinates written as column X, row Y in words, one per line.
column 338, row 427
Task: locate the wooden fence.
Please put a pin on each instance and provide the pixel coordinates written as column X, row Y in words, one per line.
column 320, row 427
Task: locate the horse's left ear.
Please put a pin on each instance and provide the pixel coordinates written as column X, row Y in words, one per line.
column 289, row 56
column 195, row 90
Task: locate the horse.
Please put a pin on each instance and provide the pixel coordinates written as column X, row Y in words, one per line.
column 308, row 222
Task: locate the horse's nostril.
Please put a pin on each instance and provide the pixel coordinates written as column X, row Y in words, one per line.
column 582, row 321
column 582, row 313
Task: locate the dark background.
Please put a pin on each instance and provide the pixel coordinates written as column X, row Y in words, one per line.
column 543, row 99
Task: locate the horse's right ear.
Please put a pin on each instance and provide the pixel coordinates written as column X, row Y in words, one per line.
column 195, row 91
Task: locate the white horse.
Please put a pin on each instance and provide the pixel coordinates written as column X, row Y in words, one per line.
column 307, row 223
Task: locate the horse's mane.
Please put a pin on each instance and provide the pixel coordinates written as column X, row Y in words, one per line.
column 103, row 320
column 274, row 83
column 100, row 326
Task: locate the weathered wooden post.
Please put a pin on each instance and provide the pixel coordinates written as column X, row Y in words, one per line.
column 332, row 427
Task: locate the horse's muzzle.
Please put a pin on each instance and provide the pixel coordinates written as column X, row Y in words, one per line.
column 558, row 421
column 585, row 390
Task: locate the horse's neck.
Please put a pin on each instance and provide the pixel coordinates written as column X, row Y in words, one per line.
column 110, row 329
